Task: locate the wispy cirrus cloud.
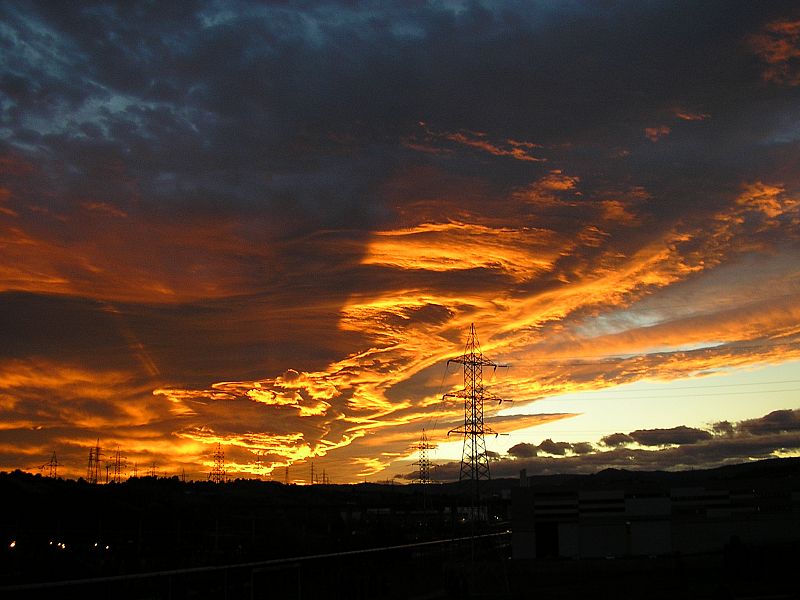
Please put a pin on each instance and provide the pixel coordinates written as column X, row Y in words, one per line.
column 445, row 142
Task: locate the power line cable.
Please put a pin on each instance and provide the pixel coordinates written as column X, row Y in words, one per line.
column 620, row 356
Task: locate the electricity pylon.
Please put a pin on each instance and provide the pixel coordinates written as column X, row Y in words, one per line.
column 117, row 466
column 93, row 468
column 217, row 474
column 424, row 462
column 53, row 466
column 474, row 460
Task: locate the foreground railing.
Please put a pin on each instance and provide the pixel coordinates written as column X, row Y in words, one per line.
column 423, row 569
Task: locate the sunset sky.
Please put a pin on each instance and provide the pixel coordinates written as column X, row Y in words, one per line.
column 270, row 225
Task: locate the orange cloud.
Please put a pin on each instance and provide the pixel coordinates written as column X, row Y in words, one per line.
column 92, row 248
column 519, row 253
column 656, row 133
column 686, row 115
column 771, row 200
column 516, row 149
column 778, row 45
column 617, row 211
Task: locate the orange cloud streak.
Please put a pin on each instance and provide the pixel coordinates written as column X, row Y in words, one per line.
column 778, row 45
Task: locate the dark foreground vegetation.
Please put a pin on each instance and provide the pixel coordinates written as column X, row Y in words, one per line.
column 163, row 538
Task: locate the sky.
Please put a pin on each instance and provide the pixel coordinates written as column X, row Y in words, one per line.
column 270, row 225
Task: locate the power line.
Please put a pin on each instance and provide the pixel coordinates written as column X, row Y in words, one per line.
column 631, row 355
column 712, row 394
column 606, row 393
column 694, row 387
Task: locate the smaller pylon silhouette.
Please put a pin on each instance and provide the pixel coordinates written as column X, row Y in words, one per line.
column 93, row 468
column 116, row 465
column 424, row 463
column 217, row 474
column 53, row 466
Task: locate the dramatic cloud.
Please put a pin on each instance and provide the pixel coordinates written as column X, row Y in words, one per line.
column 270, row 226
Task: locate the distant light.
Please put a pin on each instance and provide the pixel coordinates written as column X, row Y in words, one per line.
column 95, row 544
column 107, row 547
column 51, row 543
column 13, row 544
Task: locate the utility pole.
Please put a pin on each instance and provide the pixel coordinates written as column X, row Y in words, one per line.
column 424, row 462
column 474, row 461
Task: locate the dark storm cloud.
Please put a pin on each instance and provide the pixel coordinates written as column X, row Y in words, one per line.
column 616, row 439
column 195, row 88
column 704, row 455
column 300, row 109
column 548, row 446
column 778, row 421
column 675, row 435
column 523, row 450
column 764, row 437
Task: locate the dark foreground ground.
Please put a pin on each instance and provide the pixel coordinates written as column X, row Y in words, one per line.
column 161, row 538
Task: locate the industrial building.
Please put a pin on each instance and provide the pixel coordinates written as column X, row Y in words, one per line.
column 625, row 514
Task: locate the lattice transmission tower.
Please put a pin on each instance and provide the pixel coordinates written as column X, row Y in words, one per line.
column 474, row 460
column 53, row 466
column 217, row 474
column 93, row 467
column 423, row 462
column 117, row 465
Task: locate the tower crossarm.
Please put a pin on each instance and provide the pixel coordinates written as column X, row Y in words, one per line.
column 425, row 446
column 489, row 397
column 485, row 396
column 461, row 430
column 476, row 359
